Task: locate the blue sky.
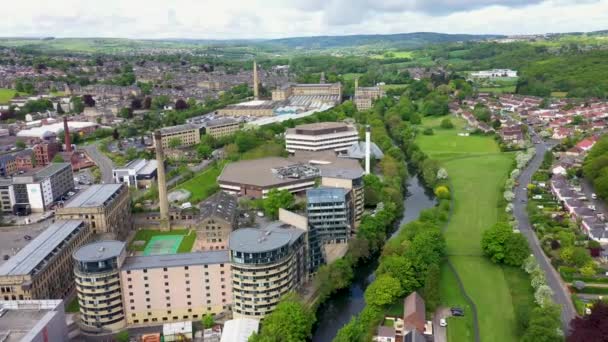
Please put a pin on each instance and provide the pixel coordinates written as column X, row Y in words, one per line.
column 229, row 19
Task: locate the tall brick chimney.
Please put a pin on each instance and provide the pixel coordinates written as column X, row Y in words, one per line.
column 66, row 132
column 256, row 91
column 162, row 182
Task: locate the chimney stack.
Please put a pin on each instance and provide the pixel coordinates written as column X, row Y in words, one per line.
column 67, row 139
column 368, row 143
column 162, row 182
column 256, row 91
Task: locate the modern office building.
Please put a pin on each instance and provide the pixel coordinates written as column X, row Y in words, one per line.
column 350, row 179
column 6, row 195
column 97, row 274
column 33, row 321
column 329, row 214
column 187, row 134
column 39, row 189
column 140, row 173
column 335, row 136
column 43, row 268
column 160, row 289
column 219, row 217
column 267, row 263
column 221, row 127
column 106, row 208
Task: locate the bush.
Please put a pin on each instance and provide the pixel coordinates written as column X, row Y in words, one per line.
column 428, row 131
column 447, row 124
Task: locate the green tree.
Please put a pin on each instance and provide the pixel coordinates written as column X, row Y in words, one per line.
column 122, row 336
column 203, row 150
column 447, row 124
column 58, row 158
column 278, row 199
column 431, row 288
column 502, row 245
column 20, row 144
column 175, row 142
column 482, row 113
column 544, row 325
column 516, row 249
column 402, row 269
column 291, row 321
column 77, row 104
column 208, row 321
column 382, row 291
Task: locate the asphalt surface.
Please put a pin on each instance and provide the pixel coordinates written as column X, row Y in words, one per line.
column 561, row 294
column 439, row 332
column 103, row 162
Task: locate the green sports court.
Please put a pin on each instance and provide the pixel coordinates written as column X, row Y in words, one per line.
column 163, row 244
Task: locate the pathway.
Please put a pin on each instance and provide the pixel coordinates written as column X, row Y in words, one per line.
column 561, row 295
column 102, row 161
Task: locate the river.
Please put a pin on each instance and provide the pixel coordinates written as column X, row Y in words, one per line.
column 339, row 309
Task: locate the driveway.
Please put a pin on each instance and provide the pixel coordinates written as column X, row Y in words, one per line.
column 561, row 294
column 440, row 333
column 102, row 161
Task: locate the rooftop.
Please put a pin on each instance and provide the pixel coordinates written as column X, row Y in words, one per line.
column 99, row 251
column 254, row 240
column 176, row 260
column 221, row 205
column 239, row 330
column 325, row 194
column 45, row 172
column 178, row 128
column 22, row 317
column 95, row 196
column 32, row 256
column 221, row 122
column 357, row 151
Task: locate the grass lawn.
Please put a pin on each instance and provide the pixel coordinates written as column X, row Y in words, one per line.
column 351, row 76
column 498, row 90
column 147, row 234
column 203, row 184
column 6, row 95
column 477, row 170
column 394, row 54
column 459, row 328
column 73, row 306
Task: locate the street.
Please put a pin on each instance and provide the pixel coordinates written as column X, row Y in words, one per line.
column 439, row 332
column 561, row 294
column 103, row 162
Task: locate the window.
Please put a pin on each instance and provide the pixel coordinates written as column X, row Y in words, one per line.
column 187, row 289
column 145, row 278
column 186, row 268
column 166, row 284
column 188, row 296
column 189, row 303
column 145, row 270
column 165, row 269
column 167, row 291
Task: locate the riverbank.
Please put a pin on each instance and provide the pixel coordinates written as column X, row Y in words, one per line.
column 477, row 170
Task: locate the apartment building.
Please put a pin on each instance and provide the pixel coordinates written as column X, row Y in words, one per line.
column 321, row 136
column 329, row 214
column 350, row 179
column 6, row 195
column 43, row 268
column 267, row 263
column 187, row 135
column 219, row 218
column 39, row 189
column 178, row 287
column 221, row 127
column 97, row 275
column 106, row 208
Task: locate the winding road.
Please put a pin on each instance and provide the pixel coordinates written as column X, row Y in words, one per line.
column 102, row 161
column 561, row 294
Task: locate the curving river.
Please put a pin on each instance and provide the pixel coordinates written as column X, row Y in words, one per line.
column 338, row 310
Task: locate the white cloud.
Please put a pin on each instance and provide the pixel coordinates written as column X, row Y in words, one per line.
column 211, row 19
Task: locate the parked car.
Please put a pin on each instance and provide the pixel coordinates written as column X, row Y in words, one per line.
column 443, row 322
column 457, row 312
column 594, row 196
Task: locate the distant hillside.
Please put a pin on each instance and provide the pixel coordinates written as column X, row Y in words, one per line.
column 400, row 40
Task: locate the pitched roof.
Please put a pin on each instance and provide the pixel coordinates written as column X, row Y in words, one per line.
column 414, row 312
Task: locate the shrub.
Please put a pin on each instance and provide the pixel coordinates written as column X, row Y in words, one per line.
column 428, row 131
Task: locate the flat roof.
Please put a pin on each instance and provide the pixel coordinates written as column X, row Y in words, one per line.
column 23, row 319
column 50, row 170
column 221, row 122
column 32, row 255
column 99, row 250
column 176, row 260
column 178, row 128
column 239, row 329
column 94, row 196
column 325, row 194
column 254, row 240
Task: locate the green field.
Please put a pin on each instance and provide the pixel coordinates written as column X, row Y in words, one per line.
column 394, row 54
column 459, row 328
column 477, row 170
column 351, row 76
column 146, row 235
column 6, row 95
column 203, row 184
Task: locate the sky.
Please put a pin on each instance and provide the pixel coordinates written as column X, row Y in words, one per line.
column 236, row 19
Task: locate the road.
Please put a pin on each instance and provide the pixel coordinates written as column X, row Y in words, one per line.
column 103, row 162
column 561, row 294
column 439, row 332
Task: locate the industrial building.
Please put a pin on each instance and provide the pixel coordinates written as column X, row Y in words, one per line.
column 33, row 321
column 37, row 190
column 187, row 134
column 221, row 127
column 8, row 166
column 43, row 268
column 44, row 152
column 334, row 136
column 48, row 132
column 298, row 173
column 267, row 263
column 218, row 219
column 176, row 287
column 98, row 287
column 364, row 96
column 321, row 89
column 256, row 108
column 106, row 208
column 329, row 212
column 140, row 173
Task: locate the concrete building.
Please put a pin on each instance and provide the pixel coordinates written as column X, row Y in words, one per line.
column 350, row 179
column 267, row 263
column 7, row 197
column 98, row 287
column 219, row 218
column 177, row 287
column 187, row 134
column 221, row 127
column 321, row 136
column 329, row 213
column 43, row 268
column 39, row 189
column 140, row 173
column 33, row 321
column 45, row 152
column 106, row 208
column 8, row 165
column 365, row 96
